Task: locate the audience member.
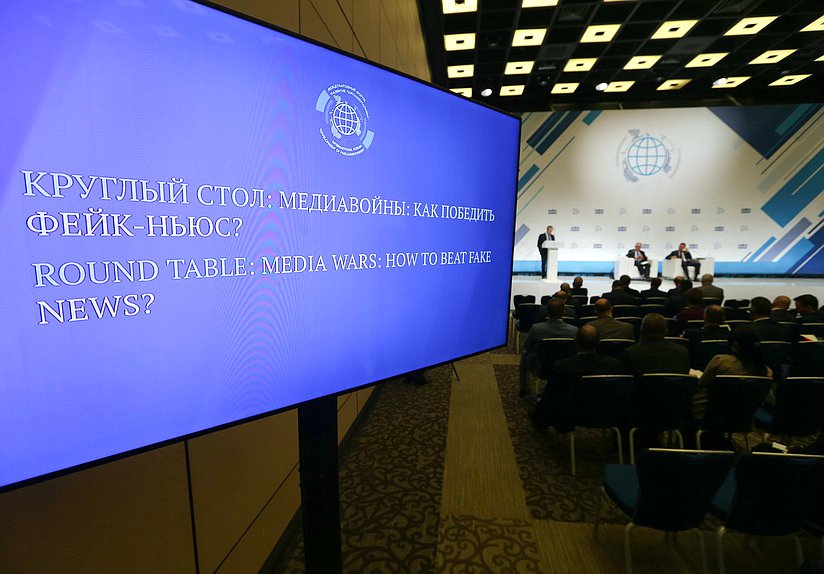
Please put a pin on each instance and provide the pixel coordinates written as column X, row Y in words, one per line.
column 807, row 308
column 554, row 327
column 609, row 328
column 781, row 310
column 767, row 329
column 678, row 300
column 678, row 280
column 714, row 328
column 653, row 291
column 625, row 281
column 710, row 290
column 618, row 296
column 578, row 288
column 654, row 354
column 694, row 311
column 556, row 402
column 569, row 310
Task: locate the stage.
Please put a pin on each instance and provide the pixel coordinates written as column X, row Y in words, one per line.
column 734, row 288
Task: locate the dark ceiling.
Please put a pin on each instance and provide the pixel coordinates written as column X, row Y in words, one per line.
column 494, row 23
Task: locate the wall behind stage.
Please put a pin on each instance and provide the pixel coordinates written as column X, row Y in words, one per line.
column 741, row 184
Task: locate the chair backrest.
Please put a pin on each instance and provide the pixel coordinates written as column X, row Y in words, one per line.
column 586, row 311
column 662, row 401
column 775, row 493
column 736, row 303
column 648, row 308
column 526, row 313
column 614, row 347
column 777, row 355
column 550, row 350
column 707, row 301
column 706, row 350
column 680, row 341
column 732, row 401
column 634, row 321
column 662, row 300
column 545, row 299
column 793, row 330
column 521, row 299
column 625, row 311
column 736, row 314
column 579, row 300
column 675, row 487
column 799, row 406
column 807, row 360
column 603, row 401
column 816, row 329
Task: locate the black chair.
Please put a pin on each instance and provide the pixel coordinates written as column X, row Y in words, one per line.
column 667, row 490
column 619, row 311
column 525, row 316
column 768, row 494
column 661, row 402
column 680, row 341
column 799, row 408
column 736, row 314
column 816, row 329
column 634, row 321
column 601, row 402
column 673, row 327
column 648, row 308
column 706, row 350
column 707, row 301
column 593, row 299
column 518, row 300
column 655, row 301
column 793, row 330
column 777, row 355
column 578, row 300
column 545, row 299
column 733, row 323
column 550, row 350
column 807, row 359
column 737, row 303
column 732, row 401
column 614, row 347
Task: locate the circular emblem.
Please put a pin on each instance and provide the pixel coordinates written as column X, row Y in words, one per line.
column 643, row 155
column 345, row 120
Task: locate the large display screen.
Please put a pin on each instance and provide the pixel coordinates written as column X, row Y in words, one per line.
column 203, row 220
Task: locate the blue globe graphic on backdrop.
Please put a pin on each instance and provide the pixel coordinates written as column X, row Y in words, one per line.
column 647, row 155
column 345, row 119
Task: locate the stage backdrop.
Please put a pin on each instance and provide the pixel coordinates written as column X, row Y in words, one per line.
column 741, row 184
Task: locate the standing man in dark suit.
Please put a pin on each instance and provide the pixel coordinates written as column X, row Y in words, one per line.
column 641, row 261
column 686, row 260
column 548, row 236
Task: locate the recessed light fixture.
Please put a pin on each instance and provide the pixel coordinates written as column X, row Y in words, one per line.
column 459, row 6
column 567, row 88
column 529, row 37
column 674, row 29
column 673, row 84
column 512, row 90
column 601, row 87
column 580, row 64
column 814, row 26
column 518, row 67
column 719, row 82
column 790, row 79
column 641, row 62
column 771, row 56
column 706, row 60
column 486, row 92
column 454, row 42
column 600, row 33
column 464, row 71
column 747, row 26
column 466, row 92
column 538, row 3
column 821, row 59
column 619, row 86
column 731, row 82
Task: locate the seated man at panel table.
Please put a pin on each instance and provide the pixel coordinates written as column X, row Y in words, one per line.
column 552, row 328
column 686, row 260
column 807, row 308
column 609, row 328
column 641, row 261
column 553, row 408
column 618, row 296
column 653, row 353
column 714, row 328
column 710, row 290
column 764, row 325
column 653, row 291
column 781, row 310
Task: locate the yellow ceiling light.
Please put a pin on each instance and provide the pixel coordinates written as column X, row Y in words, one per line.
column 529, row 37
column 821, row 59
column 459, row 6
column 673, row 84
column 454, row 42
column 600, row 33
column 790, row 79
column 706, row 60
column 512, row 90
column 465, row 71
column 580, row 64
column 732, row 82
column 747, row 26
column 567, row 88
column 771, row 56
column 618, row 86
column 674, row 29
column 466, row 92
column 538, row 3
column 814, row 26
column 518, row 67
column 641, row 62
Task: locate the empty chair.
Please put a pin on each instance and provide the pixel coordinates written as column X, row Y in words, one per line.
column 601, row 402
column 593, row 299
column 667, row 490
column 614, row 347
column 518, row 300
column 550, row 350
column 525, row 315
column 777, row 356
column 799, row 408
column 768, row 494
column 732, row 401
column 545, row 299
column 625, row 311
column 652, row 308
column 807, row 359
column 661, row 402
column 706, row 350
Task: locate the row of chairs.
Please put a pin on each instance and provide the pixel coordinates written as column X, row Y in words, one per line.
column 763, row 494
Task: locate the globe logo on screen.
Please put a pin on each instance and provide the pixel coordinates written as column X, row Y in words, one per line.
column 645, row 155
column 345, row 120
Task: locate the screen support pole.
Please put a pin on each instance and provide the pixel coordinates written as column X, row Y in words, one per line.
column 320, row 500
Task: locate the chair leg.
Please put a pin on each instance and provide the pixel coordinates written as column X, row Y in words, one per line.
column 719, row 539
column 698, row 434
column 747, row 442
column 601, row 493
column 704, row 565
column 680, row 439
column 620, row 445
column 632, row 445
column 627, row 548
column 572, row 451
column 799, row 551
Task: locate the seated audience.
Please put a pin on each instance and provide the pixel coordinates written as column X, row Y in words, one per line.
column 781, row 310
column 554, row 406
column 578, row 289
column 654, row 354
column 552, row 328
column 607, row 326
column 710, row 290
column 618, row 296
column 764, row 325
column 653, row 291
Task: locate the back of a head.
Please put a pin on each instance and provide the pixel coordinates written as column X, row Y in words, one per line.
column 746, row 345
column 577, row 282
column 617, row 285
column 807, row 300
column 587, row 338
column 714, row 315
column 654, row 326
column 782, row 302
column 603, row 307
column 625, row 280
column 555, row 308
column 655, row 283
column 706, row 279
column 760, row 307
column 685, row 285
column 566, row 288
column 695, row 296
